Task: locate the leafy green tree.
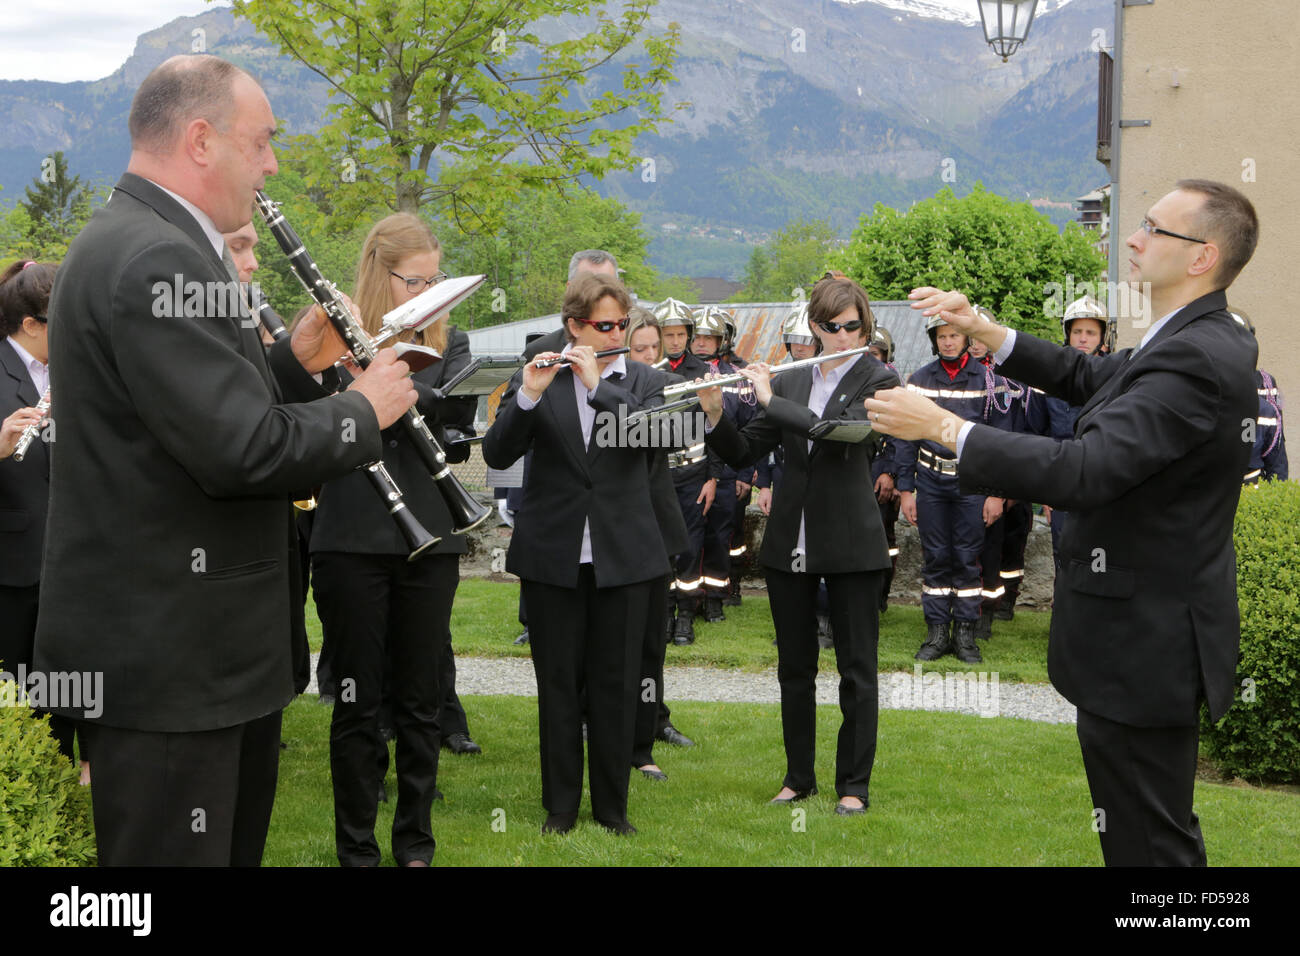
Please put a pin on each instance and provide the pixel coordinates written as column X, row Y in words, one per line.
column 459, row 105
column 54, row 208
column 794, row 259
column 526, row 260
column 1003, row 254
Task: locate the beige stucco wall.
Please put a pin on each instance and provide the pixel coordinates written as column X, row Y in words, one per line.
column 1237, row 66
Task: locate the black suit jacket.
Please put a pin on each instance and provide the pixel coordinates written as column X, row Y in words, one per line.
column 351, row 517
column 24, row 485
column 550, row 342
column 1145, row 613
column 569, row 484
column 830, row 485
column 168, row 549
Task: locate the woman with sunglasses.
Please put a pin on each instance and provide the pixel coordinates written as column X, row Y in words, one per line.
column 824, row 523
column 645, row 339
column 586, row 547
column 378, row 610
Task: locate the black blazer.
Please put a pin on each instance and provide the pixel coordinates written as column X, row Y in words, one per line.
column 24, row 485
column 351, row 517
column 168, row 550
column 1145, row 613
column 830, row 485
column 550, row 342
column 569, row 484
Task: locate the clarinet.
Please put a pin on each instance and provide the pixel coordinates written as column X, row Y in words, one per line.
column 466, row 512
column 31, row 431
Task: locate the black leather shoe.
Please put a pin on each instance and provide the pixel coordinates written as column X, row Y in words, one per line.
column 844, row 810
column 671, row 735
column 621, row 828
column 713, row 611
column 936, row 643
column 684, row 633
column 521, row 639
column 798, row 795
column 1006, row 609
column 966, row 649
column 559, row 823
column 461, row 744
column 653, row 774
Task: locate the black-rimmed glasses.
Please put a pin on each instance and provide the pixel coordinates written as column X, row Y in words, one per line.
column 419, row 283
column 1153, row 230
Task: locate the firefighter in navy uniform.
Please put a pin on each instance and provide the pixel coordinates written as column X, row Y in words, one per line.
column 1086, row 327
column 951, row 524
column 1002, row 563
column 739, row 405
column 690, row 468
column 884, row 468
column 745, row 480
column 1268, row 456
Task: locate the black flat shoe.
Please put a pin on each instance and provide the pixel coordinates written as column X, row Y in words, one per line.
column 461, row 744
column 559, row 823
column 671, row 735
column 653, row 774
column 844, row 810
column 798, row 795
column 622, row 828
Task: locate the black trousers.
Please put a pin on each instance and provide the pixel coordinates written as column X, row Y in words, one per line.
column 1142, row 780
column 18, row 606
column 184, row 799
column 587, row 638
column 688, row 569
column 651, row 712
column 855, row 620
column 383, row 611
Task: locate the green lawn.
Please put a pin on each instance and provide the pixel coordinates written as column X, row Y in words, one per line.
column 947, row 789
column 484, row 621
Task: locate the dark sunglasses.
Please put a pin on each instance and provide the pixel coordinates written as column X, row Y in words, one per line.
column 621, row 324
column 833, row 327
column 419, row 283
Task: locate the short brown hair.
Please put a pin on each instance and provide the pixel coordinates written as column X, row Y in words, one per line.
column 178, row 91
column 833, row 295
column 584, row 294
column 1228, row 218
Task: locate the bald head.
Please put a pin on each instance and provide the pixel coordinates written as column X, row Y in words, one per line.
column 179, row 91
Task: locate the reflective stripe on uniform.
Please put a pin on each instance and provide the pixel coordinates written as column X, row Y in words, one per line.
column 937, row 592
column 737, row 552
column 1008, row 575
column 966, row 592
column 990, row 595
column 893, row 552
column 689, row 585
column 715, row 582
column 1252, row 475
column 1266, row 421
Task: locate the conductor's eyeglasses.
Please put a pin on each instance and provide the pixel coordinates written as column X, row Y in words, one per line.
column 419, row 283
column 833, row 327
column 1153, row 230
column 621, row 324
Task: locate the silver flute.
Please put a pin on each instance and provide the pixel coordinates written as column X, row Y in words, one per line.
column 31, row 431
column 683, row 395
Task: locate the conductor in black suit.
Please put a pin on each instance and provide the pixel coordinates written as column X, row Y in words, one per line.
column 586, row 547
column 1145, row 623
column 170, row 545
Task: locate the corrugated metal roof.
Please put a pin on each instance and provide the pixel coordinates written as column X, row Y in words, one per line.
column 760, row 332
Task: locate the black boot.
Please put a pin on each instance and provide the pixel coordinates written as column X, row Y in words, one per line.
column 1007, row 607
column 936, row 643
column 966, row 649
column 733, row 593
column 713, row 610
column 684, row 631
column 984, row 631
column 824, row 636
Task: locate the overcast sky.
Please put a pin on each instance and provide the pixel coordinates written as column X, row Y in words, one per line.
column 65, row 40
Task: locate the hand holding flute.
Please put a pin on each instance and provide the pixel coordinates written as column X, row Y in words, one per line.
column 16, row 429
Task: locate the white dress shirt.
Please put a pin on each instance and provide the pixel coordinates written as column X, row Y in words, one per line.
column 38, row 370
column 587, row 419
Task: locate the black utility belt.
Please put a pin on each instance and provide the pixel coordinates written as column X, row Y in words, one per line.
column 929, row 460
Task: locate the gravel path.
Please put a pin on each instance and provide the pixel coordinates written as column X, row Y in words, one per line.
column 966, row 694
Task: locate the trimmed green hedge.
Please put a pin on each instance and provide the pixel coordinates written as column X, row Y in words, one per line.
column 45, row 817
column 1259, row 738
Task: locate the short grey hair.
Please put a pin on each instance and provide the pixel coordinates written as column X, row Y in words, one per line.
column 180, row 90
column 597, row 257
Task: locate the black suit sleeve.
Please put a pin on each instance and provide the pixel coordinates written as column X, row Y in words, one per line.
column 1165, row 412
column 512, row 431
column 1060, row 370
column 456, row 412
column 212, row 411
